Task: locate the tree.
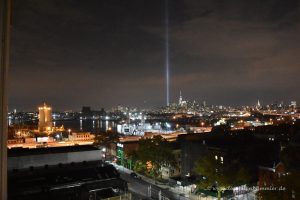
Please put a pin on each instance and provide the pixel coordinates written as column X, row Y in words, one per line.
column 219, row 176
column 152, row 154
column 106, row 138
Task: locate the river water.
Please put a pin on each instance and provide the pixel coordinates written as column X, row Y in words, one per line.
column 90, row 125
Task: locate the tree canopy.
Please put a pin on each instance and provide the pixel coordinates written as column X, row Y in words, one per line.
column 152, row 154
column 219, row 175
column 106, row 138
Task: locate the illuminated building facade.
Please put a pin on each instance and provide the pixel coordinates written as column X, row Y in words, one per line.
column 293, row 104
column 45, row 118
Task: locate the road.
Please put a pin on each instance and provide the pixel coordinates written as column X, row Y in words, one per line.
column 140, row 187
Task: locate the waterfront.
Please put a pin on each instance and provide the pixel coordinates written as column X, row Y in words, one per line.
column 76, row 125
column 87, row 125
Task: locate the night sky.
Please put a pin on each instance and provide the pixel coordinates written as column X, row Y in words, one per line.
column 102, row 53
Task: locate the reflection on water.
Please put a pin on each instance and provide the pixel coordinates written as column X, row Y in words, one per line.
column 94, row 126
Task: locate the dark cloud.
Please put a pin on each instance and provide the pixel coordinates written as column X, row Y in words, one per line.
column 102, row 53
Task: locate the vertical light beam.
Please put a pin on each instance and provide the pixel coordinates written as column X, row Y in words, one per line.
column 167, row 52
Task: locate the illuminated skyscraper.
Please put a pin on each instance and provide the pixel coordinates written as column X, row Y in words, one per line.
column 45, row 118
column 293, row 104
column 180, row 99
column 258, row 106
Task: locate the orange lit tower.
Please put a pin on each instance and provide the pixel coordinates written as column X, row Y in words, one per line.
column 45, row 118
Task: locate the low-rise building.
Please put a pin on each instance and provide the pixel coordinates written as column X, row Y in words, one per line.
column 169, row 171
column 270, row 176
column 81, row 136
column 20, row 158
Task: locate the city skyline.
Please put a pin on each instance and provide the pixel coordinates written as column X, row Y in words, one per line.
column 180, row 101
column 105, row 53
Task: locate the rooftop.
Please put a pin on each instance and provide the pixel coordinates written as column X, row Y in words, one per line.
column 15, row 152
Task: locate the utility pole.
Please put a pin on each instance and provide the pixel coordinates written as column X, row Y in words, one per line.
column 159, row 195
column 4, row 58
column 149, row 191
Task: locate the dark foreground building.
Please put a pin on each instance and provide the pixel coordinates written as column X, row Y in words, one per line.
column 19, row 158
column 67, row 173
column 241, row 146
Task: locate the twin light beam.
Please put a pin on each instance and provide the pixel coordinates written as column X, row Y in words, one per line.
column 167, row 52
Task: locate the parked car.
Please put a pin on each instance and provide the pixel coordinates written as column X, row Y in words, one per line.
column 134, row 175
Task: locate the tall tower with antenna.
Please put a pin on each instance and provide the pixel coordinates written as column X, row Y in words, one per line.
column 180, row 98
column 258, row 106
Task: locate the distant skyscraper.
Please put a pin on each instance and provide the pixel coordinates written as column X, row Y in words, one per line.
column 180, row 98
column 204, row 104
column 86, row 111
column 293, row 104
column 258, row 106
column 45, row 118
